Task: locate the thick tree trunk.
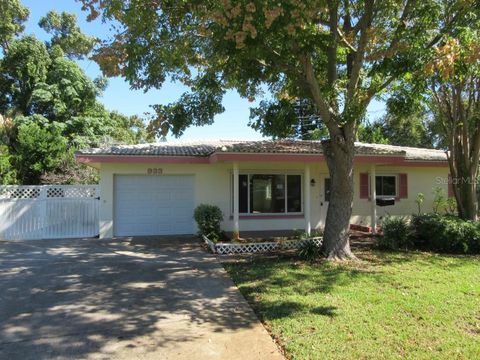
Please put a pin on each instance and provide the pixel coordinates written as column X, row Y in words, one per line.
column 466, row 196
column 339, row 157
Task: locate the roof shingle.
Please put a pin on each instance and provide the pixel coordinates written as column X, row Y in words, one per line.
column 208, row 147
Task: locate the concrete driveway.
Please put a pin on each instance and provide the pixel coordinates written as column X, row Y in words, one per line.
column 118, row 299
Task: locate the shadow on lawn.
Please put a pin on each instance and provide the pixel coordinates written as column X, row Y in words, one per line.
column 415, row 257
column 284, row 309
column 292, row 279
column 75, row 298
column 286, row 276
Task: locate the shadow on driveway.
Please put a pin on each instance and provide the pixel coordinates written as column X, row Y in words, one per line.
column 148, row 298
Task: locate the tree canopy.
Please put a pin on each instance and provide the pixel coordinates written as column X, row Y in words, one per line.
column 49, row 107
column 415, row 130
column 66, row 34
column 14, row 15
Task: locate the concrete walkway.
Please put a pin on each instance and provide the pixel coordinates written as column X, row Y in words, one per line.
column 97, row 299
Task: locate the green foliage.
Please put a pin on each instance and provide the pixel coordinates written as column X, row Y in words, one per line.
column 66, row 92
column 66, row 34
column 208, row 218
column 451, row 206
column 447, row 87
column 303, row 235
column 13, row 15
column 70, row 172
column 40, row 147
column 446, row 233
column 439, row 200
column 193, row 109
column 395, row 234
column 51, row 105
column 8, row 174
column 413, row 130
column 22, row 69
column 309, row 251
column 372, row 134
column 257, row 47
column 288, row 119
column 419, row 200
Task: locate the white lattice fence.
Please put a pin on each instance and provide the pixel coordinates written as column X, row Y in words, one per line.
column 239, row 248
column 48, row 212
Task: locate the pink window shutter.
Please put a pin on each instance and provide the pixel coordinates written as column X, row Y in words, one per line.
column 364, row 193
column 403, row 187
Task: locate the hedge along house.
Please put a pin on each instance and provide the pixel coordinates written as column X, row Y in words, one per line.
column 152, row 189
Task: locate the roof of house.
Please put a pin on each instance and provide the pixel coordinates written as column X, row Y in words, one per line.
column 209, row 147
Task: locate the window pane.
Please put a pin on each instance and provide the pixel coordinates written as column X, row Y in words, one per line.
column 294, row 193
column 386, row 185
column 267, row 193
column 378, row 186
column 243, row 194
column 389, row 185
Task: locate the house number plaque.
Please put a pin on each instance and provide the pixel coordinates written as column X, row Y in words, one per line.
column 154, row 171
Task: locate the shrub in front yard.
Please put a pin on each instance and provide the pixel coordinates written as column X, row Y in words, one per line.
column 395, row 234
column 446, row 233
column 208, row 218
column 309, row 251
column 302, row 234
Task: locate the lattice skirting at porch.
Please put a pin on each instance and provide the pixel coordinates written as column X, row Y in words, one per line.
column 239, row 248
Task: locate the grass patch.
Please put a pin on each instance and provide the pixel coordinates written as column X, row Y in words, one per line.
column 387, row 306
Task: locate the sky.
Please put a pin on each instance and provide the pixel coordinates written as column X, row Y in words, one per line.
column 231, row 124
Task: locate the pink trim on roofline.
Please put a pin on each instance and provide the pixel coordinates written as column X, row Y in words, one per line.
column 425, row 163
column 377, row 158
column 216, row 157
column 398, row 160
column 385, row 159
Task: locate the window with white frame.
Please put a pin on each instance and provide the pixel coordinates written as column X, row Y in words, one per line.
column 386, row 185
column 270, row 193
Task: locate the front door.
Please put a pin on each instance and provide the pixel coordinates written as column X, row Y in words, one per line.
column 324, row 198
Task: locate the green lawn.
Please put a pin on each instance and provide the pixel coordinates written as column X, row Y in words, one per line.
column 387, row 306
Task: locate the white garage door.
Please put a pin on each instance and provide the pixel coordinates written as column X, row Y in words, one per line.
column 153, row 205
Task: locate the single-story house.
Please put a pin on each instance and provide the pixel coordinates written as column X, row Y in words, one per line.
column 152, row 189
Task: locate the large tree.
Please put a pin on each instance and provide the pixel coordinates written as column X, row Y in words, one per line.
column 285, row 118
column 339, row 54
column 448, row 86
column 454, row 97
column 67, row 34
column 48, row 106
column 13, row 17
column 414, row 129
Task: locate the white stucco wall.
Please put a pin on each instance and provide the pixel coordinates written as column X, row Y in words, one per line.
column 419, row 180
column 213, row 186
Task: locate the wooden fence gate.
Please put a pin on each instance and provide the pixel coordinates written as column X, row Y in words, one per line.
column 49, row 212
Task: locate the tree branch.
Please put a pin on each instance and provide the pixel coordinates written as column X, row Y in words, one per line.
column 332, row 48
column 360, row 54
column 326, row 112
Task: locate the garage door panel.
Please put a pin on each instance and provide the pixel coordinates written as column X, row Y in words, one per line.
column 134, row 215
column 162, row 195
column 177, row 195
column 153, row 205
